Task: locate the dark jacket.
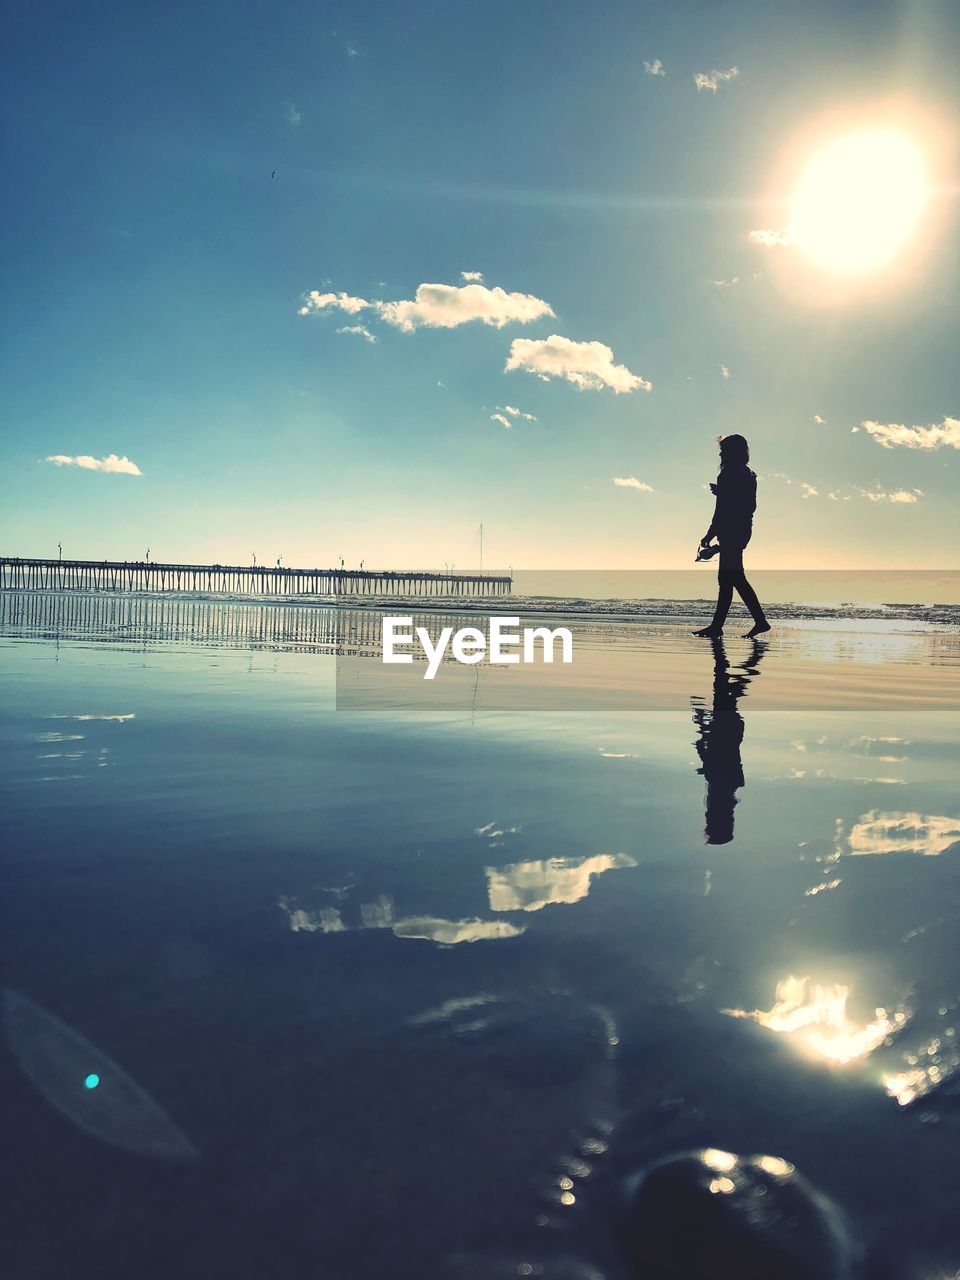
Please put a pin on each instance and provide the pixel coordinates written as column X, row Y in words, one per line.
column 736, row 491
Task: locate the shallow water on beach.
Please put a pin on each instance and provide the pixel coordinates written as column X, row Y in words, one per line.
column 293, row 991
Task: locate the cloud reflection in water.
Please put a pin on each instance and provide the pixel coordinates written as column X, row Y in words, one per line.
column 380, row 914
column 894, row 832
column 529, row 886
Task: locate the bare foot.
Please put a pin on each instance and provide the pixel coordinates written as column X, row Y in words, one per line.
column 757, row 630
column 709, row 633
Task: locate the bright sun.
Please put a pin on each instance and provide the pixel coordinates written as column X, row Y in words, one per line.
column 859, row 201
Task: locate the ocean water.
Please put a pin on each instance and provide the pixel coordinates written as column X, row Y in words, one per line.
column 289, row 990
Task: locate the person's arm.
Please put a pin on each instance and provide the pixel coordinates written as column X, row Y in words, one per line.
column 711, row 532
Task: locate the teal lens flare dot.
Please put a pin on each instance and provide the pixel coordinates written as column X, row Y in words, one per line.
column 91, row 1081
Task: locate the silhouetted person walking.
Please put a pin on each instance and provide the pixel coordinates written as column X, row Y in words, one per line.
column 732, row 525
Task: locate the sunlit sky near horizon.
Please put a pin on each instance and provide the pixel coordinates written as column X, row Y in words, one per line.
column 219, row 216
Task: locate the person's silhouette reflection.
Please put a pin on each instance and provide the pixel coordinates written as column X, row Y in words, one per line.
column 719, row 736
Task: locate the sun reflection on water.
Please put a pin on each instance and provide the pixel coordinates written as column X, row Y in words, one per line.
column 931, row 1065
column 815, row 1015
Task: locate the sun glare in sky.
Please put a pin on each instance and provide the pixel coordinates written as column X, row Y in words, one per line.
column 859, row 201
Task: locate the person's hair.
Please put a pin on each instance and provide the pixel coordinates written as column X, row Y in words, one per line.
column 734, row 449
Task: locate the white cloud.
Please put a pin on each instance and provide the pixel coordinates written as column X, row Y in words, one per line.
column 294, row 115
column 818, row 420
column 836, row 496
column 359, row 329
column 504, row 422
column 445, row 306
column 588, row 365
column 472, row 277
column 724, row 372
column 116, row 466
column 654, row 68
column 710, row 79
column 314, row 302
column 771, row 237
column 897, row 495
column 891, row 434
column 514, row 412
column 726, row 284
column 809, row 490
column 437, row 306
column 631, row 482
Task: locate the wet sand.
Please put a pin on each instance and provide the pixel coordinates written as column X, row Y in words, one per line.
column 413, row 990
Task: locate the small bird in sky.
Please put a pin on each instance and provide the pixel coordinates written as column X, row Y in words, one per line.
column 274, row 174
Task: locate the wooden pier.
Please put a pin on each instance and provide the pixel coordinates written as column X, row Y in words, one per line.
column 18, row 574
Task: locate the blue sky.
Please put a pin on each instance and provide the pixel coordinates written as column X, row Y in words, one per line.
column 155, row 271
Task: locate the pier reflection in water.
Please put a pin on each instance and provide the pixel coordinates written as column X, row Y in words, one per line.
column 619, row 664
column 146, row 620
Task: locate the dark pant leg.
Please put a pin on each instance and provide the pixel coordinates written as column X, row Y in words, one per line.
column 729, row 571
column 731, row 575
column 749, row 597
column 724, row 597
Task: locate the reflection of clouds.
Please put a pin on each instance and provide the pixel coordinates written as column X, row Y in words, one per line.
column 130, row 715
column 380, row 913
column 447, row 932
column 823, row 887
column 70, row 753
column 828, row 775
column 874, row 747
column 451, row 1008
column 494, row 835
column 528, row 886
column 326, row 920
column 523, row 886
column 878, row 748
column 817, row 1017
column 860, row 640
column 878, row 832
